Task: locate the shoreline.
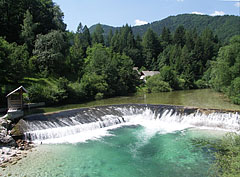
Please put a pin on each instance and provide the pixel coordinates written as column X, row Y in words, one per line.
column 11, row 155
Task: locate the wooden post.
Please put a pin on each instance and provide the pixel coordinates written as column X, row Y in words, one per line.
column 21, row 96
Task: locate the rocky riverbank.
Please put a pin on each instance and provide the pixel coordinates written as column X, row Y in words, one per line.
column 11, row 151
column 11, row 155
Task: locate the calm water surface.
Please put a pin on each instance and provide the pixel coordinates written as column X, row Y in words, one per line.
column 203, row 98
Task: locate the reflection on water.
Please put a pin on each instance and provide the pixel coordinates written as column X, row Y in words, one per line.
column 203, row 98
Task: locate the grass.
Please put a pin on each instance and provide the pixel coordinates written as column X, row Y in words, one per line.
column 43, row 81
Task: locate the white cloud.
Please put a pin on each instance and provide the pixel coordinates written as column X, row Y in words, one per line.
column 218, row 13
column 237, row 4
column 180, row 0
column 140, row 22
column 198, row 13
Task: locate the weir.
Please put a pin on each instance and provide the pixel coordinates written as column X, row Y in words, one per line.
column 62, row 124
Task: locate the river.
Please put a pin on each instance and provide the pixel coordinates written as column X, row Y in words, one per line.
column 202, row 98
column 133, row 145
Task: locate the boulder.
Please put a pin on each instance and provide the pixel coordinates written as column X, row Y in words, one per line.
column 6, row 140
column 4, row 123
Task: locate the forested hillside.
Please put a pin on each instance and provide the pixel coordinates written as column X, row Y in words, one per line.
column 223, row 26
column 59, row 67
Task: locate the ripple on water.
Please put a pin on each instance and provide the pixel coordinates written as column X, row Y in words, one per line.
column 131, row 151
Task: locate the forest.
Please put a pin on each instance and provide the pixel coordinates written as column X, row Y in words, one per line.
column 223, row 26
column 58, row 67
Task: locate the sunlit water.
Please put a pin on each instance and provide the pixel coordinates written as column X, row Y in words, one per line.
column 132, row 149
column 202, row 98
column 128, row 151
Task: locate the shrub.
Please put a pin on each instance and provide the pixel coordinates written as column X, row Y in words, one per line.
column 156, row 84
column 201, row 84
column 45, row 93
column 99, row 96
column 75, row 93
column 169, row 75
column 91, row 84
column 234, row 90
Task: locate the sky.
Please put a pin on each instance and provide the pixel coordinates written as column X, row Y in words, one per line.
column 138, row 12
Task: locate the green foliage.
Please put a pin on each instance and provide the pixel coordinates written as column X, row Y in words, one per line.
column 75, row 93
column 166, row 37
column 27, row 33
column 49, row 51
column 155, row 84
column 169, row 75
column 151, row 48
column 179, row 36
column 201, row 84
column 228, row 156
column 72, row 67
column 45, row 13
column 77, row 52
column 115, row 69
column 225, row 71
column 49, row 93
column 97, row 36
column 13, row 60
column 223, row 26
column 93, row 84
column 234, row 90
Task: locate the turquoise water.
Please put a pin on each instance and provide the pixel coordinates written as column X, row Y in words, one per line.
column 128, row 151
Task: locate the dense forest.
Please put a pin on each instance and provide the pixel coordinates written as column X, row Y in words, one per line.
column 57, row 66
column 223, row 26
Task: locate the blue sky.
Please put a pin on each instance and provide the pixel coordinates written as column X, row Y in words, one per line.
column 137, row 12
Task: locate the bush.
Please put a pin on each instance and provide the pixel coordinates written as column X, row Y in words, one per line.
column 201, row 84
column 48, row 94
column 156, row 84
column 92, row 84
column 181, row 84
column 75, row 93
column 234, row 90
column 169, row 75
column 99, row 96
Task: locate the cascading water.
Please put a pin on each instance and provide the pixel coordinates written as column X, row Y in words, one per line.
column 82, row 124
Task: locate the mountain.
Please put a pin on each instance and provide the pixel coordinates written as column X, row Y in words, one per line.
column 223, row 26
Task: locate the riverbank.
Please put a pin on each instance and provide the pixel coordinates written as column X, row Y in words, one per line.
column 11, row 155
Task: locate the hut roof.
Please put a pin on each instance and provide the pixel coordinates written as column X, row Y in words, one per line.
column 19, row 88
column 150, row 73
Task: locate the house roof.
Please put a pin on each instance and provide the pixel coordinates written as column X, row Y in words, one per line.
column 150, row 73
column 19, row 88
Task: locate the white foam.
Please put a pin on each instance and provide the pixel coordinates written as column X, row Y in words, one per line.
column 153, row 123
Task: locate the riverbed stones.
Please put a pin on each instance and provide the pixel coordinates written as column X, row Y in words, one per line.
column 5, row 138
column 11, row 155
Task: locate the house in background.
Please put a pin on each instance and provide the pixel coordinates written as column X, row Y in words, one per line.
column 15, row 102
column 145, row 74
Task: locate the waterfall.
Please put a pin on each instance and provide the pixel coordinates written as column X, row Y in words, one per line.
column 83, row 122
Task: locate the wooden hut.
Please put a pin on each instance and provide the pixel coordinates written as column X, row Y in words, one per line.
column 15, row 99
